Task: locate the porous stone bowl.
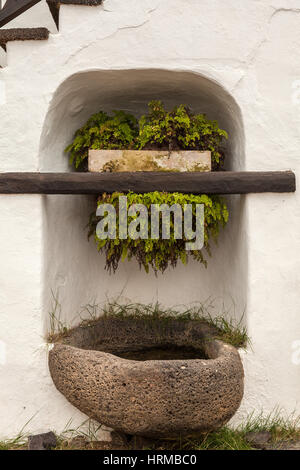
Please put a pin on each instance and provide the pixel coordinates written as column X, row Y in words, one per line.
column 192, row 384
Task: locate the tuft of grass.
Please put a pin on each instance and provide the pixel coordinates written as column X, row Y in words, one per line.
column 231, row 332
column 280, row 425
column 228, row 330
column 224, row 439
column 85, row 433
column 282, row 429
column 57, row 327
column 18, row 443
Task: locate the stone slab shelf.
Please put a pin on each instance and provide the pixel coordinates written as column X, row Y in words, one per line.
column 222, row 182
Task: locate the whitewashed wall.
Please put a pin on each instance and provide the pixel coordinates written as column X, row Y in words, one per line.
column 237, row 61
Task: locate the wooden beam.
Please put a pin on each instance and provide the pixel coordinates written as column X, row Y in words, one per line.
column 89, row 3
column 13, row 8
column 141, row 182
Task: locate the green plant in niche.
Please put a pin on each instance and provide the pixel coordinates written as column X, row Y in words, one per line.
column 159, row 129
column 178, row 129
column 103, row 132
column 159, row 253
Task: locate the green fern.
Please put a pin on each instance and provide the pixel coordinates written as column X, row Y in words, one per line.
column 158, row 254
column 102, row 132
column 178, row 129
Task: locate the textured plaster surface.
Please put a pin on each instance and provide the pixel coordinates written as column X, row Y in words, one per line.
column 237, row 61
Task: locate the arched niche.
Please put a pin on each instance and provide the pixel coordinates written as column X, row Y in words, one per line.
column 73, row 269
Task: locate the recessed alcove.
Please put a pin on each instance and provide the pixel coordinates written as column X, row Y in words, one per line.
column 73, row 270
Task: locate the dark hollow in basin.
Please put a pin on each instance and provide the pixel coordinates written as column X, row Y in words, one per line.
column 153, row 378
column 164, row 352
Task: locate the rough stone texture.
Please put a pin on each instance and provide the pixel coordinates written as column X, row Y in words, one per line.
column 148, row 160
column 118, row 442
column 284, row 445
column 263, row 440
column 44, row 441
column 153, row 398
column 258, row 440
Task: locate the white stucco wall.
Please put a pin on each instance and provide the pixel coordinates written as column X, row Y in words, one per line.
column 238, row 61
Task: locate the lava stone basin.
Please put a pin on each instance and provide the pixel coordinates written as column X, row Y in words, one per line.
column 148, row 377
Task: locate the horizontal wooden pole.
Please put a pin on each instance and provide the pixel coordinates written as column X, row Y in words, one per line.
column 229, row 182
